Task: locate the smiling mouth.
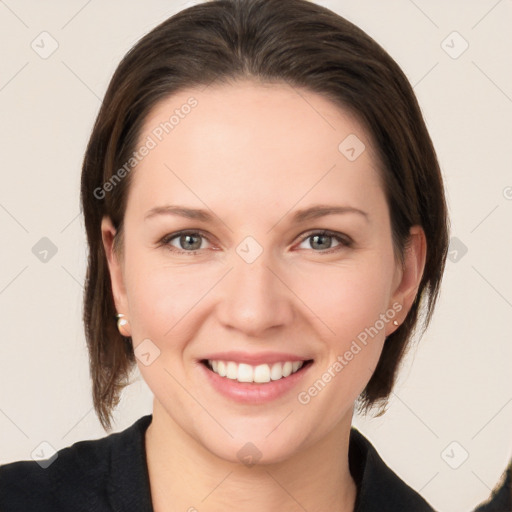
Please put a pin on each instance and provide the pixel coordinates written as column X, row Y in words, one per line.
column 258, row 374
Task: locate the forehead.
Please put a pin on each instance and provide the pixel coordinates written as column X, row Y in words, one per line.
column 246, row 106
column 252, row 141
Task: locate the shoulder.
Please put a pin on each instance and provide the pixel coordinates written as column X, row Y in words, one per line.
column 379, row 488
column 77, row 476
column 501, row 496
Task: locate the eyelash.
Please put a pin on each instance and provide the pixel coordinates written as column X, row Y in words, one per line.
column 344, row 241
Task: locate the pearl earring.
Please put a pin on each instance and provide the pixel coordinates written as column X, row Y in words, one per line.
column 395, row 322
column 121, row 322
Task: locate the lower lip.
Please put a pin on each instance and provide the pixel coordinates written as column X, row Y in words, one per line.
column 254, row 393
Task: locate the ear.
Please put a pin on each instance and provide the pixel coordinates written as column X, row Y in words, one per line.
column 408, row 277
column 108, row 232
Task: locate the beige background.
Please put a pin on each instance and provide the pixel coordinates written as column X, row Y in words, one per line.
column 455, row 386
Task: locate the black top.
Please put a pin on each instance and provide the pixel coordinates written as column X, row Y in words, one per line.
column 111, row 474
column 501, row 498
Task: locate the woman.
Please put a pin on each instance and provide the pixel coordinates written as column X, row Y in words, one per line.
column 266, row 218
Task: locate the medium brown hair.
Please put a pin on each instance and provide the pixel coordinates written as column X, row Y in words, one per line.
column 294, row 42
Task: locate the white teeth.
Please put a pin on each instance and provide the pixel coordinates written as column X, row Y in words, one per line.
column 245, row 373
column 276, row 372
column 232, row 370
column 221, row 368
column 260, row 374
column 287, row 369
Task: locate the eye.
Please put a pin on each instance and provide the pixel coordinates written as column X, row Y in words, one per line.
column 322, row 241
column 184, row 242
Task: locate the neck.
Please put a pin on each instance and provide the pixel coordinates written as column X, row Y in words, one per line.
column 184, row 476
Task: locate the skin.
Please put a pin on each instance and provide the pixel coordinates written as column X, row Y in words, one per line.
column 252, row 155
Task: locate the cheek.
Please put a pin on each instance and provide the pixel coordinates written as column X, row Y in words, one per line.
column 347, row 297
column 163, row 298
column 351, row 301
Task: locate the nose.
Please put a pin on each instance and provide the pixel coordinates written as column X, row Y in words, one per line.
column 255, row 297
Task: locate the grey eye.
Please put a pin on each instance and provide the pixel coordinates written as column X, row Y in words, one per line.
column 187, row 241
column 319, row 241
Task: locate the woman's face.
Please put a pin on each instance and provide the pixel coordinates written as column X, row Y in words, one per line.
column 287, row 257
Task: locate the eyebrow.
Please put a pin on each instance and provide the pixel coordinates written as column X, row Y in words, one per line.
column 322, row 210
column 312, row 212
column 180, row 211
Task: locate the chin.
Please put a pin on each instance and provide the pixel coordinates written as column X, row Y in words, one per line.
column 253, row 449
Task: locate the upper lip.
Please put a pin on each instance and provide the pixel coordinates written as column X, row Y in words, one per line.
column 255, row 359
